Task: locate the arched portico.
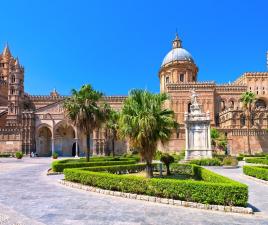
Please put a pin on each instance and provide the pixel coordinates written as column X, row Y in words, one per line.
column 64, row 138
column 44, row 141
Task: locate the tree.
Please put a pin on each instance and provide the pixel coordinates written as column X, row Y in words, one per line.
column 167, row 160
column 112, row 125
column 145, row 121
column 82, row 110
column 248, row 98
column 218, row 139
column 214, row 133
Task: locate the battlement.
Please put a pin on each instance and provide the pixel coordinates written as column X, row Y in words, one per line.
column 45, row 97
column 114, row 98
column 251, row 75
column 231, row 87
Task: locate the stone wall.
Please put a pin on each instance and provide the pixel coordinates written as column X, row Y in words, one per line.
column 238, row 141
column 10, row 146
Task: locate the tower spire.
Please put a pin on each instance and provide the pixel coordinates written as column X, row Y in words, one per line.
column 177, row 43
column 6, row 51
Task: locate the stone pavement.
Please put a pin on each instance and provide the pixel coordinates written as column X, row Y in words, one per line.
column 258, row 191
column 27, row 193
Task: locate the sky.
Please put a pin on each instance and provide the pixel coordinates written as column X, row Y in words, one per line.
column 119, row 45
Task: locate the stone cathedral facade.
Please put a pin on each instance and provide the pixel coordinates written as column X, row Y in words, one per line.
column 33, row 123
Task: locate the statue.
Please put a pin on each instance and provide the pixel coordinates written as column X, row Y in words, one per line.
column 194, row 97
column 197, row 131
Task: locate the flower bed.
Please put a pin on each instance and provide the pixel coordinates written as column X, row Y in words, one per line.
column 257, row 160
column 207, row 188
column 260, row 172
column 60, row 165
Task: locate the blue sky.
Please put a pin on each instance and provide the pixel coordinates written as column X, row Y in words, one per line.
column 119, row 45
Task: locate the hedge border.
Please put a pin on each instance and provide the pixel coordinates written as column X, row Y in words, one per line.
column 233, row 209
column 260, row 172
column 211, row 188
column 256, row 160
column 60, row 165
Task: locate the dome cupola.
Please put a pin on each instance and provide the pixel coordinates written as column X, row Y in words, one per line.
column 177, row 53
column 177, row 67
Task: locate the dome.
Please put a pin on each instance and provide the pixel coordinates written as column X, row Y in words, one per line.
column 177, row 54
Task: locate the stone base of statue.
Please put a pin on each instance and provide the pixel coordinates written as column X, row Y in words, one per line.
column 197, row 132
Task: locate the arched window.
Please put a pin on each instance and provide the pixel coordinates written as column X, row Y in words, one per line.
column 260, row 103
column 12, row 91
column 222, row 105
column 181, row 77
column 13, row 79
column 242, row 120
column 167, row 80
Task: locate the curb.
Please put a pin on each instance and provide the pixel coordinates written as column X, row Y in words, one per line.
column 234, row 209
column 53, row 173
column 255, row 179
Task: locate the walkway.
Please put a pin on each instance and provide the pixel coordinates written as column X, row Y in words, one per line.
column 27, row 193
column 258, row 192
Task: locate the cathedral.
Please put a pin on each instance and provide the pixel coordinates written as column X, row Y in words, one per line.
column 36, row 123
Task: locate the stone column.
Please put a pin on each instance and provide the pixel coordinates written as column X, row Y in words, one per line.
column 52, row 145
column 76, row 143
column 76, row 148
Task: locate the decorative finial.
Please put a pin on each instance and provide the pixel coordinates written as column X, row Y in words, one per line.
column 177, row 42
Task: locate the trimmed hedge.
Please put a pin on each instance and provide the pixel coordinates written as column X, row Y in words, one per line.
column 257, row 160
column 260, row 172
column 212, row 189
column 119, row 169
column 60, row 165
column 206, row 162
column 6, row 155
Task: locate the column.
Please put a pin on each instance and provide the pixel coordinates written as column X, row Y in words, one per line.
column 52, row 145
column 76, row 148
column 76, row 143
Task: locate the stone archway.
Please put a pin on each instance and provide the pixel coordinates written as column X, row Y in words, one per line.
column 64, row 137
column 43, row 141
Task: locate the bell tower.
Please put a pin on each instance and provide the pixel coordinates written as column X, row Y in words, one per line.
column 15, row 92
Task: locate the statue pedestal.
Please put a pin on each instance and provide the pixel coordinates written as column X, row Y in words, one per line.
column 197, row 132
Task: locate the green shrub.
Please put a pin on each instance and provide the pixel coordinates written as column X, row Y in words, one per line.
column 206, row 162
column 260, row 172
column 55, row 155
column 5, row 155
column 257, row 160
column 60, row 165
column 218, row 156
column 240, row 158
column 230, row 161
column 167, row 160
column 213, row 189
column 19, row 155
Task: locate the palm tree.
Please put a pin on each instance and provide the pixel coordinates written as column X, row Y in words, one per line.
column 112, row 125
column 145, row 121
column 82, row 110
column 248, row 98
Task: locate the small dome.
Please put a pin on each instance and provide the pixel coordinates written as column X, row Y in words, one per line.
column 177, row 54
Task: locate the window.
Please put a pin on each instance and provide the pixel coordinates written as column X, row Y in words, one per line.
column 167, row 80
column 13, row 79
column 182, row 77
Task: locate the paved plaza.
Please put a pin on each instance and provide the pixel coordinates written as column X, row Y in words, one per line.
column 29, row 197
